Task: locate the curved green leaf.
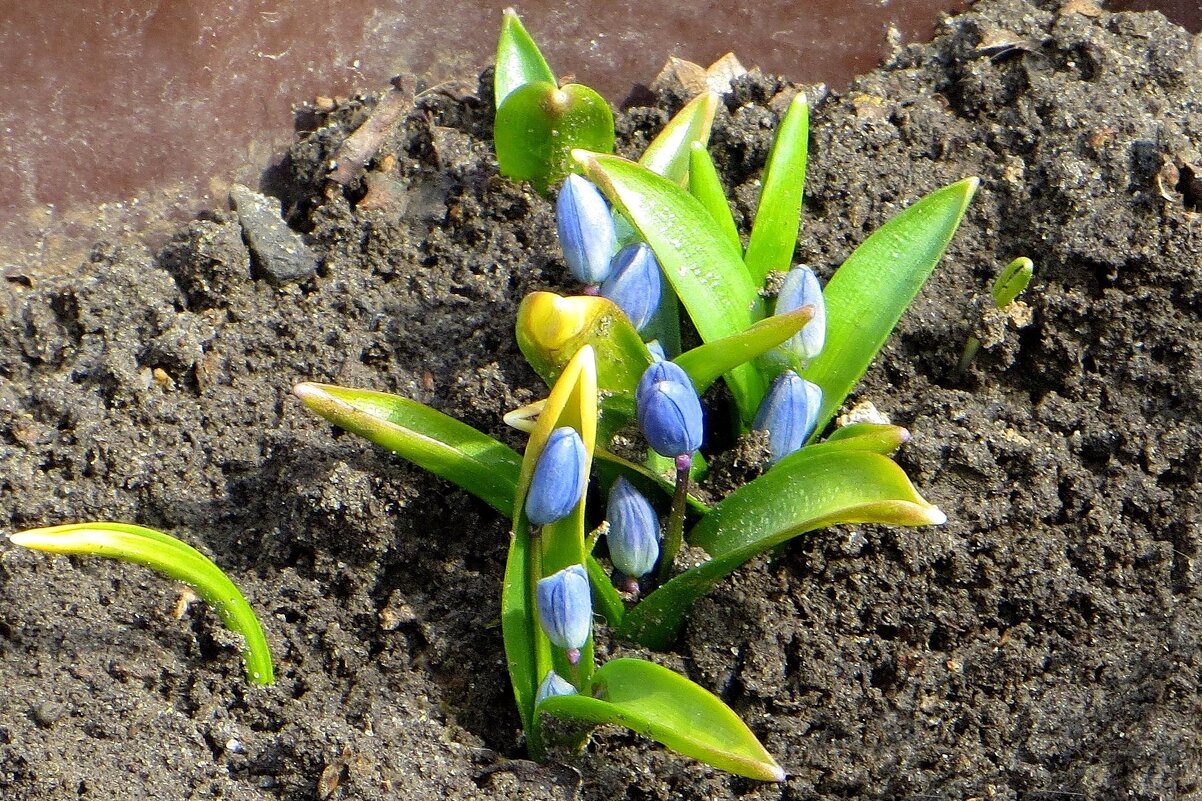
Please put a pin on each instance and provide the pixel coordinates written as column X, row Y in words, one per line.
column 670, row 709
column 818, row 486
column 706, row 186
column 668, row 153
column 539, row 124
column 700, row 262
column 705, row 363
column 605, row 596
column 879, row 438
column 171, row 557
column 778, row 215
column 867, row 295
column 430, row 439
column 519, row 632
column 519, row 61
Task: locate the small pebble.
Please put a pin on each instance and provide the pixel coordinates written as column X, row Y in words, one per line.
column 280, row 255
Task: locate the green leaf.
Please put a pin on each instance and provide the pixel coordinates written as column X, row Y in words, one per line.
column 706, row 186
column 539, row 124
column 519, row 629
column 430, row 439
column 700, row 262
column 1012, row 282
column 876, row 437
column 778, row 215
column 671, row 710
column 706, row 362
column 606, row 599
column 668, row 153
column 819, row 486
column 519, row 61
column 867, row 295
column 173, row 558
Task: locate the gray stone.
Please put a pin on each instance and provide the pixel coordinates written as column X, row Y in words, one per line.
column 280, row 255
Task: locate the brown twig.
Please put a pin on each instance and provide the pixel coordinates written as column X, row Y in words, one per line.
column 361, row 146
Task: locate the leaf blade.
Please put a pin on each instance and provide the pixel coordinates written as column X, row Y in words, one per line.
column 539, row 124
column 519, row 61
column 891, row 265
column 430, row 439
column 818, row 486
column 668, row 153
column 671, row 710
column 706, row 186
column 705, row 363
column 172, row 557
column 778, row 215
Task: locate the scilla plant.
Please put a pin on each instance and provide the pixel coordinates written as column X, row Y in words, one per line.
column 787, row 371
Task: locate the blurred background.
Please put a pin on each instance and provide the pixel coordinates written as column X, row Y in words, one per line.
column 128, row 116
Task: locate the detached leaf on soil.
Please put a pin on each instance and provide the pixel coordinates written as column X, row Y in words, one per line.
column 171, row 557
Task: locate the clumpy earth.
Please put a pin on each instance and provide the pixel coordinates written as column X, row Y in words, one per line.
column 1046, row 643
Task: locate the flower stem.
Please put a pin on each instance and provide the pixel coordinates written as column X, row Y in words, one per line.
column 675, row 534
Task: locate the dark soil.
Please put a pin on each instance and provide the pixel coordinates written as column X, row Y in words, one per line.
column 1045, row 644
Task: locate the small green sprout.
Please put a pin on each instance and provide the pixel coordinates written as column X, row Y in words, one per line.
column 1009, row 284
column 1013, row 281
column 173, row 558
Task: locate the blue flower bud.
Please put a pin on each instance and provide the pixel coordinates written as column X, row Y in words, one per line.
column 559, row 478
column 789, row 413
column 800, row 288
column 633, row 530
column 669, row 410
column 635, row 283
column 586, row 230
column 565, row 609
column 552, row 686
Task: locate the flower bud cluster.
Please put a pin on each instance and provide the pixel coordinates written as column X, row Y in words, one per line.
column 631, row 278
column 789, row 412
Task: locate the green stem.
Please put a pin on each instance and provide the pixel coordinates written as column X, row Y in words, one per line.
column 674, row 537
column 971, row 346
